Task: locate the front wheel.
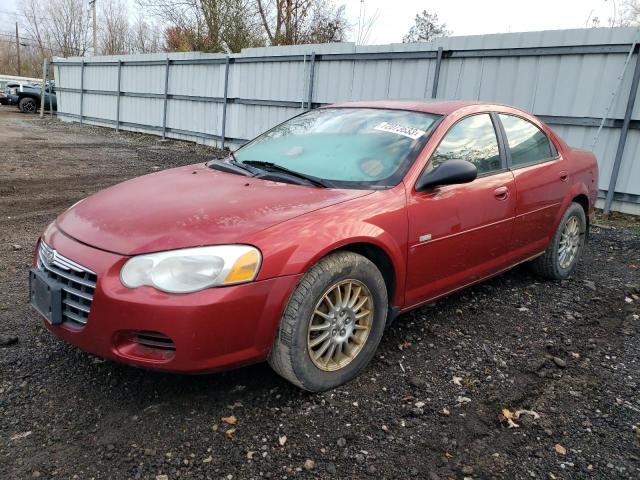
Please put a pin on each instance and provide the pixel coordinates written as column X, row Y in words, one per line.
column 333, row 323
column 27, row 105
column 561, row 258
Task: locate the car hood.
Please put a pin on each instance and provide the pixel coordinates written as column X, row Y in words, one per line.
column 189, row 206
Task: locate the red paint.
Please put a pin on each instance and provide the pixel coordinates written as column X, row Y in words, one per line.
column 477, row 230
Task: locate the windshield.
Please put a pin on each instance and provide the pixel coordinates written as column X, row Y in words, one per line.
column 349, row 147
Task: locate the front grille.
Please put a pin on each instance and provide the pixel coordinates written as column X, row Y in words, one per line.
column 154, row 340
column 78, row 284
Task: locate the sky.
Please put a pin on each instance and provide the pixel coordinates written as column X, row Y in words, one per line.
column 463, row 17
column 469, row 17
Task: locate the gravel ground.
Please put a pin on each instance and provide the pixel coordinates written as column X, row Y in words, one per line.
column 431, row 405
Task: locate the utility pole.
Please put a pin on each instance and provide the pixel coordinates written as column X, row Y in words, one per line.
column 18, row 48
column 95, row 35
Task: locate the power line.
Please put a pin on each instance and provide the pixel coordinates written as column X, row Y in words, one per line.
column 19, row 14
column 12, row 39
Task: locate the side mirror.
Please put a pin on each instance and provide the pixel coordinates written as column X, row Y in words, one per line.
column 451, row 172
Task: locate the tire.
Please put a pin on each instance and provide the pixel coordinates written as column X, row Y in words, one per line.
column 291, row 356
column 27, row 105
column 550, row 264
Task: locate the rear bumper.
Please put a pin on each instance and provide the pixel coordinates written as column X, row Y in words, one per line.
column 211, row 330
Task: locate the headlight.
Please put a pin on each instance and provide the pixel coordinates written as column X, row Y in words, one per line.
column 192, row 269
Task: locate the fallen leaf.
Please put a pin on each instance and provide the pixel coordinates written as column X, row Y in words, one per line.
column 231, row 419
column 446, row 412
column 535, row 415
column 512, row 424
column 230, row 433
column 560, row 450
column 282, row 440
column 408, row 398
column 508, row 414
column 448, row 455
column 457, row 381
column 207, row 460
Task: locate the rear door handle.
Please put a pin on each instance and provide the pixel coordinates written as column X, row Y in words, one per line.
column 501, row 193
column 564, row 176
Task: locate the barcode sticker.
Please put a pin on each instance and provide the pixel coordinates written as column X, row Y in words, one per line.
column 398, row 129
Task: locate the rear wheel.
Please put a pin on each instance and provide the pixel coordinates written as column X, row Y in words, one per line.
column 561, row 258
column 333, row 323
column 27, row 105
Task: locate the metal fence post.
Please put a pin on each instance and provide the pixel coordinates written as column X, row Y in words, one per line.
column 81, row 91
column 224, row 104
column 436, row 74
column 45, row 74
column 312, row 68
column 633, row 93
column 166, row 91
column 50, row 67
column 118, row 97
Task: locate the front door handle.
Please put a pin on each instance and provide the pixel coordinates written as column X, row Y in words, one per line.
column 564, row 176
column 501, row 193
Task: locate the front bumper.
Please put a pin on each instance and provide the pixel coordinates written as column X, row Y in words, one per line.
column 211, row 330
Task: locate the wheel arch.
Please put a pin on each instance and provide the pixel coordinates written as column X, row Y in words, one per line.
column 578, row 194
column 28, row 95
column 388, row 262
column 380, row 259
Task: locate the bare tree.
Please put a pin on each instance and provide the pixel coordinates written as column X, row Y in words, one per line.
column 426, row 28
column 61, row 24
column 37, row 31
column 293, row 22
column 113, row 28
column 365, row 23
column 630, row 15
column 145, row 37
column 207, row 25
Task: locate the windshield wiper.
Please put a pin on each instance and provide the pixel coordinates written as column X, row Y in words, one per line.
column 231, row 164
column 274, row 167
column 234, row 161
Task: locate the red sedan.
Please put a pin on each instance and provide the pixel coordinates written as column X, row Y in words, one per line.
column 302, row 245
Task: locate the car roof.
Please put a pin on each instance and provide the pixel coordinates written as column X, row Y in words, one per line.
column 440, row 107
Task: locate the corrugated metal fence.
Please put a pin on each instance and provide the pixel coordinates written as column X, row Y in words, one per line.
column 572, row 79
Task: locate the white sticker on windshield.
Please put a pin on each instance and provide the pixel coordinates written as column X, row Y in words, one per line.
column 398, row 129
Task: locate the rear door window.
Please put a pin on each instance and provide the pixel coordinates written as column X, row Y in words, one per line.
column 527, row 143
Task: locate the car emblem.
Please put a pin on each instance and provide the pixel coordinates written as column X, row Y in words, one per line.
column 49, row 256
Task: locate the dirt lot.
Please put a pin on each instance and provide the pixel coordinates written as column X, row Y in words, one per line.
column 428, row 406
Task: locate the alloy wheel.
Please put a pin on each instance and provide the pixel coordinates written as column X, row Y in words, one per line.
column 340, row 325
column 29, row 107
column 569, row 243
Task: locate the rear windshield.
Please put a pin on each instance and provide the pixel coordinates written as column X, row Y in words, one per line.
column 350, row 147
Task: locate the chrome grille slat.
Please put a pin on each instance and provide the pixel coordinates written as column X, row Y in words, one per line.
column 64, row 262
column 71, row 277
column 78, row 293
column 74, row 317
column 78, row 284
column 76, row 305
